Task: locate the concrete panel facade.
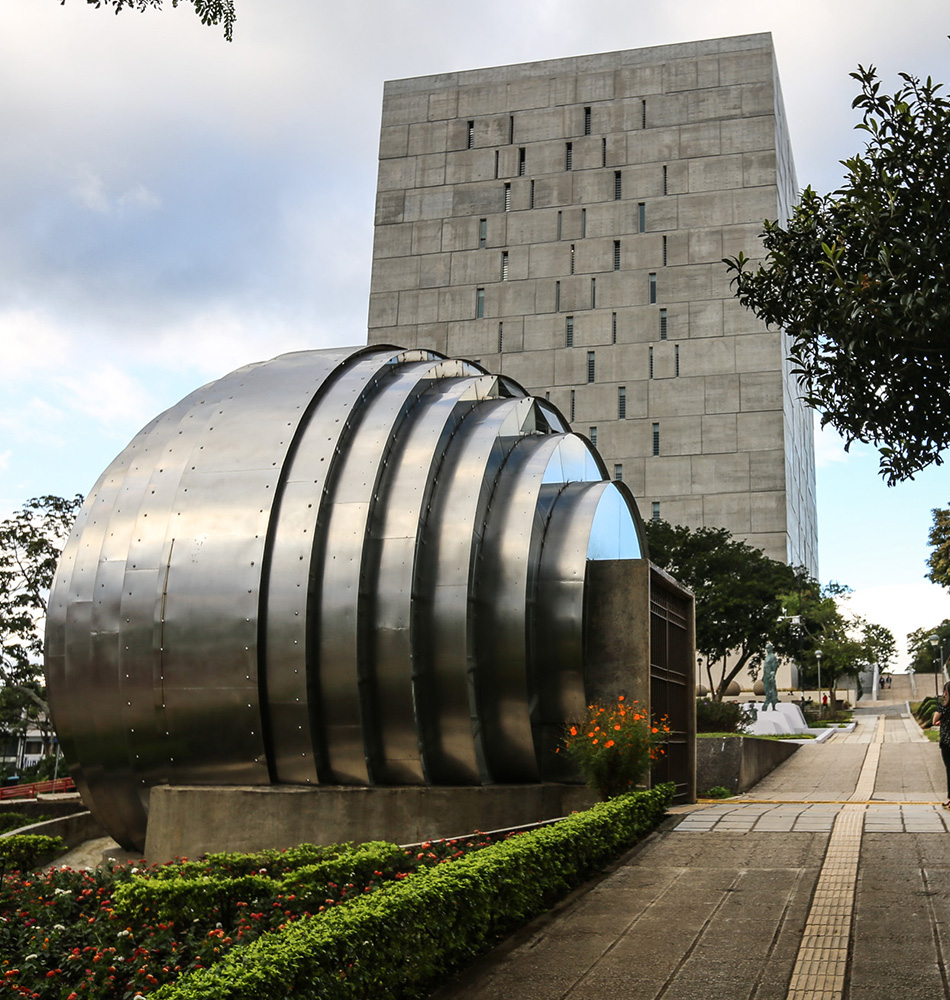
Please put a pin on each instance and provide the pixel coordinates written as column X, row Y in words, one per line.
column 593, row 200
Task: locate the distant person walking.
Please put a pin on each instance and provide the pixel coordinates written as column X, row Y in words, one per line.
column 942, row 718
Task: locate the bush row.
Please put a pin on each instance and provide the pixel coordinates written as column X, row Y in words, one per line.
column 431, row 922
column 25, row 851
column 191, row 895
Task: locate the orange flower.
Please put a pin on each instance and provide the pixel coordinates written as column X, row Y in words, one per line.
column 609, row 743
column 573, row 730
column 596, row 741
column 620, row 698
column 617, row 726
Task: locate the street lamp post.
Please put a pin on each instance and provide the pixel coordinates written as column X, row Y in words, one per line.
column 934, row 641
column 818, row 658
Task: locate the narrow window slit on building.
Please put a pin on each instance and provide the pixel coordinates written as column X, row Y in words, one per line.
column 507, row 197
column 504, row 265
column 569, row 331
column 572, row 258
column 586, row 121
column 482, row 233
column 593, row 293
column 573, row 395
column 591, row 366
column 666, row 251
column 664, row 326
column 557, row 296
column 666, row 180
column 618, row 185
column 676, row 359
column 650, row 361
column 618, row 472
column 642, row 217
column 656, row 439
column 569, row 156
column 621, row 402
column 616, row 255
column 583, row 222
column 613, row 328
column 652, row 287
column 496, row 164
column 521, row 161
column 471, row 135
column 501, row 337
column 479, row 303
column 593, row 436
column 655, row 510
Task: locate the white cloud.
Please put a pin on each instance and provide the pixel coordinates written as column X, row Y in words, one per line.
column 30, row 343
column 107, row 394
column 902, row 608
column 91, row 192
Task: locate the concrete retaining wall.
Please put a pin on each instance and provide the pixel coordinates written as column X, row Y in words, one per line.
column 737, row 762
column 73, row 829
column 189, row 821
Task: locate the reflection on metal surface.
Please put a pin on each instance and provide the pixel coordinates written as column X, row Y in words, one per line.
column 354, row 566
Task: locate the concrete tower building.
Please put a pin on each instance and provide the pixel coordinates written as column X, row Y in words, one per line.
column 564, row 223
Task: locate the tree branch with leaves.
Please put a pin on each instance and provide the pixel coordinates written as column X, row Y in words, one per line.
column 30, row 544
column 211, row 12
column 860, row 281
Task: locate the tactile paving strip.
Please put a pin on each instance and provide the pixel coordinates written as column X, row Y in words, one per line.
column 821, row 966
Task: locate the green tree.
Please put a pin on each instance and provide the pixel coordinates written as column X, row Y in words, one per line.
column 739, row 594
column 925, row 659
column 849, row 645
column 30, row 543
column 939, row 539
column 860, row 281
column 210, row 11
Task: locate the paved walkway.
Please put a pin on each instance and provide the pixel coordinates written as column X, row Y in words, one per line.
column 830, row 880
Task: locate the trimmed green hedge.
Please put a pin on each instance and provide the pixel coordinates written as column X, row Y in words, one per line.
column 421, row 928
column 192, row 895
column 25, row 851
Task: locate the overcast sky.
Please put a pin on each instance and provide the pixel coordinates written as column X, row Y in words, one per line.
column 172, row 207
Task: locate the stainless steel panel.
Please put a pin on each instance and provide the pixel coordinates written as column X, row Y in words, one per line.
column 297, row 747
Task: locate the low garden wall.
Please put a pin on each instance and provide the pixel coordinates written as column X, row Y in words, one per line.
column 737, row 762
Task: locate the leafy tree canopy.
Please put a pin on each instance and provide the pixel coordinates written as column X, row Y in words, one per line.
column 739, row 594
column 925, row 659
column 210, row 11
column 860, row 281
column 939, row 539
column 30, row 543
column 848, row 644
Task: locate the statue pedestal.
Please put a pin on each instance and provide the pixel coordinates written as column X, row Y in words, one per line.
column 783, row 719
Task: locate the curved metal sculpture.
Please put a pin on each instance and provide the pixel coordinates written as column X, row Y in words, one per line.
column 352, row 566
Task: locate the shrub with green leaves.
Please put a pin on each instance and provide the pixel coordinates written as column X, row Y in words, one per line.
column 423, row 927
column 722, row 716
column 25, row 851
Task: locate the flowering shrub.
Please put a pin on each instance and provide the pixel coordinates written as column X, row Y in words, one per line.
column 124, row 931
column 614, row 745
column 73, row 935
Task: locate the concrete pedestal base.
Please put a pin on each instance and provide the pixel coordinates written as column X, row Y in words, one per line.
column 186, row 821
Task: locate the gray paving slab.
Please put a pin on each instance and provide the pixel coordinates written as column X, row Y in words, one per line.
column 715, row 905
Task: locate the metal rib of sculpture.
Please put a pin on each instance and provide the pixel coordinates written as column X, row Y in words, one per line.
column 353, row 566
